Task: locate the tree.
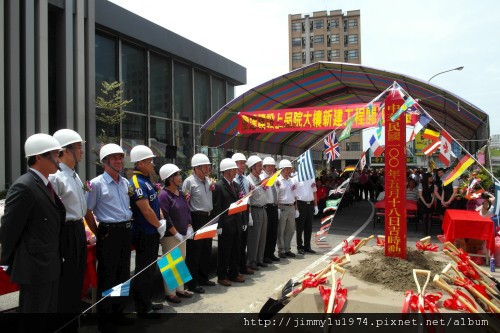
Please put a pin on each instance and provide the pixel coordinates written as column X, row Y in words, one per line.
column 109, row 110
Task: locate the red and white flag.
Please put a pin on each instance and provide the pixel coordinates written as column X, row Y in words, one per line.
column 362, row 161
column 238, row 206
column 206, row 232
column 445, row 148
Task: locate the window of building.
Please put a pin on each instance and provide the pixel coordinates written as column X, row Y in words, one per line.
column 333, row 54
column 296, row 41
column 297, row 56
column 334, row 23
column 319, row 24
column 201, row 97
column 296, row 26
column 319, row 39
column 134, row 77
column 159, row 91
column 183, row 93
column 352, row 39
column 218, row 94
column 335, row 39
column 133, row 131
column 160, row 138
column 319, row 55
column 183, row 139
column 352, row 146
column 311, row 41
column 353, row 54
column 304, row 55
column 105, row 60
column 351, row 23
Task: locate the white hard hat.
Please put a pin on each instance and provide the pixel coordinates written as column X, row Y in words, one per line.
column 238, row 157
column 253, row 160
column 285, row 164
column 199, row 159
column 269, row 161
column 140, row 152
column 109, row 149
column 168, row 170
column 40, row 143
column 67, row 136
column 227, row 164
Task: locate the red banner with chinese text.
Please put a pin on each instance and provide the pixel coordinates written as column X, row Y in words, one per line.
column 311, row 118
column 395, row 184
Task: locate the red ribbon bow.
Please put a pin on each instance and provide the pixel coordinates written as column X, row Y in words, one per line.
column 454, row 304
column 430, row 299
column 349, row 249
column 340, row 297
column 312, row 281
column 465, row 267
column 380, row 241
column 426, row 247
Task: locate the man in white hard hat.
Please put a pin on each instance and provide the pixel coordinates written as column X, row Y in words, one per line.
column 198, row 187
column 307, row 204
column 269, row 168
column 109, row 202
column 147, row 229
column 68, row 186
column 287, row 195
column 257, row 224
column 243, row 187
column 31, row 227
column 229, row 240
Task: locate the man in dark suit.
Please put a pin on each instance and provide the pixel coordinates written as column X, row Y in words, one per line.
column 31, row 226
column 229, row 241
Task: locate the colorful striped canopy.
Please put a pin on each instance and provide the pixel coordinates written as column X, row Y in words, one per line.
column 328, row 83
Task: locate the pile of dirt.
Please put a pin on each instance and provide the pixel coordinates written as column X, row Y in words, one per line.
column 394, row 273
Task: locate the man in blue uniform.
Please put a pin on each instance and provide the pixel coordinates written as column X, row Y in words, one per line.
column 147, row 229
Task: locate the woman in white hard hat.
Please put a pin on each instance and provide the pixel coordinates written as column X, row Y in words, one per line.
column 31, row 227
column 175, row 209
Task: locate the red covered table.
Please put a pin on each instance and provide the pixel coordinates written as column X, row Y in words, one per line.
column 468, row 224
column 5, row 285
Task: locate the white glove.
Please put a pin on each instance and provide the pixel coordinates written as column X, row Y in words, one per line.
column 279, row 213
column 297, row 214
column 179, row 237
column 162, row 228
column 244, row 227
column 219, row 231
column 316, row 210
column 189, row 233
column 250, row 221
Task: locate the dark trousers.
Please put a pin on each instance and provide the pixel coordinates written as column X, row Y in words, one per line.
column 38, row 298
column 304, row 224
column 272, row 230
column 198, row 253
column 74, row 251
column 243, row 243
column 228, row 254
column 146, row 252
column 113, row 266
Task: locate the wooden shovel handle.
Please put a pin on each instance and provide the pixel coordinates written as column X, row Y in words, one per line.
column 331, row 300
column 454, row 249
column 301, row 288
column 443, row 285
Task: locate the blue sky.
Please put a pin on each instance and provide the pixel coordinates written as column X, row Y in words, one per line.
column 416, row 38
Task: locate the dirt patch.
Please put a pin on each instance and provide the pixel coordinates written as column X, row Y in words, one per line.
column 394, row 273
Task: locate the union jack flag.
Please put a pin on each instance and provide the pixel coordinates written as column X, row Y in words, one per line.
column 332, row 148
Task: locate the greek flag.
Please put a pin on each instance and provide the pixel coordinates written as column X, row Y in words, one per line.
column 305, row 167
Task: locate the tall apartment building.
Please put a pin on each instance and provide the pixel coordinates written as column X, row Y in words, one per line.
column 328, row 36
column 324, row 36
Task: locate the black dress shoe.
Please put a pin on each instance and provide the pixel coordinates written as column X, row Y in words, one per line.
column 310, row 251
column 173, row 299
column 198, row 290
column 253, row 267
column 183, row 294
column 267, row 261
column 301, row 251
column 274, row 258
column 290, row 254
column 156, row 306
column 247, row 271
column 261, row 264
column 207, row 283
column 282, row 255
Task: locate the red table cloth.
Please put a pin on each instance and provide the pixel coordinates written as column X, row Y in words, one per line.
column 468, row 224
column 5, row 285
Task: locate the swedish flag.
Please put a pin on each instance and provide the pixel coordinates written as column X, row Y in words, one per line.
column 174, row 269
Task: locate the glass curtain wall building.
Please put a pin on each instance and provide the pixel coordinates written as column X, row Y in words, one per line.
column 56, row 54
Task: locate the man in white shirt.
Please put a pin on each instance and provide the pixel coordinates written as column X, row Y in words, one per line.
column 307, row 204
column 269, row 168
column 68, row 186
column 287, row 209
